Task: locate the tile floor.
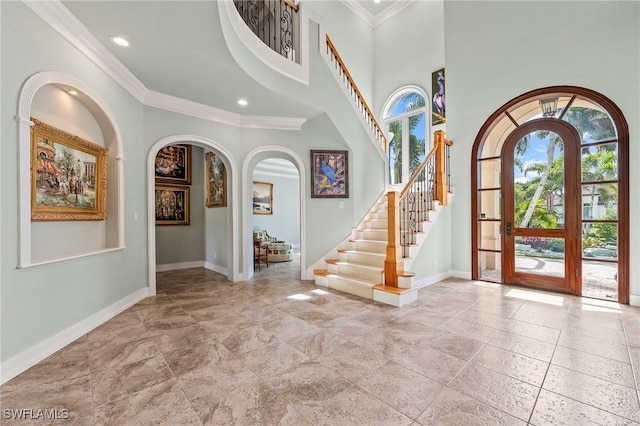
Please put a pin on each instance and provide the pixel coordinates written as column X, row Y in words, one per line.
column 277, row 350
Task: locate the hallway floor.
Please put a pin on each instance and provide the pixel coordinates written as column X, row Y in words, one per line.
column 277, row 350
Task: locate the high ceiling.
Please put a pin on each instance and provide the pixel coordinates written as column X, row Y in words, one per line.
column 175, row 50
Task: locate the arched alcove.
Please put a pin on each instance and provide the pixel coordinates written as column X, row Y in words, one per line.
column 233, row 273
column 250, row 163
column 64, row 102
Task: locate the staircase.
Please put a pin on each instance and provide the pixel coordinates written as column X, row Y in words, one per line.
column 374, row 261
column 360, row 265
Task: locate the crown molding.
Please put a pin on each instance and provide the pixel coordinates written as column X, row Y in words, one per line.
column 56, row 15
column 206, row 112
column 68, row 26
column 374, row 20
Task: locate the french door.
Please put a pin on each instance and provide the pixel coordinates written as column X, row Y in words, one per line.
column 541, row 206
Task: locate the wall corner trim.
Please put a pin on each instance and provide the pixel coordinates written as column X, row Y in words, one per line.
column 30, row 357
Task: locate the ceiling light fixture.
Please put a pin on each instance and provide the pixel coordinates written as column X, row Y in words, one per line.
column 120, row 41
column 243, row 102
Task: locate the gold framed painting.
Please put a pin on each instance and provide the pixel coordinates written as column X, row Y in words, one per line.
column 216, row 181
column 173, row 165
column 172, row 205
column 262, row 198
column 68, row 176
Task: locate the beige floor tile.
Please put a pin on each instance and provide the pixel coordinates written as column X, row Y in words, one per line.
column 512, row 364
column 554, row 409
column 602, row 394
column 206, row 350
column 454, row 408
column 504, row 393
column 594, row 365
column 401, row 388
column 533, row 348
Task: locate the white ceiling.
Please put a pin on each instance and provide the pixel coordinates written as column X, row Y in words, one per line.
column 177, row 48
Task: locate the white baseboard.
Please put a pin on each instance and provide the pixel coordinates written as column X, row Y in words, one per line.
column 182, row 265
column 216, row 268
column 634, row 300
column 465, row 275
column 30, row 357
column 426, row 281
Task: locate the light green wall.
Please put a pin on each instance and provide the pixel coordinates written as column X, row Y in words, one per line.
column 284, row 223
column 496, row 51
column 40, row 301
column 408, row 48
column 186, row 243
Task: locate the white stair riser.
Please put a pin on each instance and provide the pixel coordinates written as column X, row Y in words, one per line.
column 373, row 234
column 371, row 247
column 380, row 214
column 371, row 259
column 372, row 275
column 377, row 224
column 351, row 287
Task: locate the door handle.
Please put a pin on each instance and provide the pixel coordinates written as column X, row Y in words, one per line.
column 509, row 229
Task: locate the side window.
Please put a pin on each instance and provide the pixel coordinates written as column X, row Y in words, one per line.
column 405, row 120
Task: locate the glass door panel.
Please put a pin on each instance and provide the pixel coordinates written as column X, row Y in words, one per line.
column 540, row 188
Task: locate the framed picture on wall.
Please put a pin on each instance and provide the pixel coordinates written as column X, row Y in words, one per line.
column 262, row 198
column 215, row 181
column 329, row 174
column 173, row 165
column 438, row 109
column 172, row 205
column 68, row 176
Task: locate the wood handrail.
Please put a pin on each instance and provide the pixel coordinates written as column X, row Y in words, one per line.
column 293, row 5
column 432, row 187
column 353, row 85
column 438, row 136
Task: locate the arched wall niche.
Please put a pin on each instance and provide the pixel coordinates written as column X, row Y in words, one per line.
column 250, row 163
column 233, row 269
column 45, row 96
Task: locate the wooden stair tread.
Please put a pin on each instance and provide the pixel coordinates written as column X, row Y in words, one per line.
column 321, row 272
column 393, row 290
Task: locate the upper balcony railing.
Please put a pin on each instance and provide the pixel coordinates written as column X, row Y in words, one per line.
column 275, row 22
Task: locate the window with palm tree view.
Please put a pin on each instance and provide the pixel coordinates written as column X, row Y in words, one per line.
column 405, row 121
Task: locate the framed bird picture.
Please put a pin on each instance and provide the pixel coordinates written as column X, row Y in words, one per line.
column 439, row 111
column 329, row 174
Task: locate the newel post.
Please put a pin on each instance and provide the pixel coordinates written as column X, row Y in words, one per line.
column 393, row 257
column 441, row 190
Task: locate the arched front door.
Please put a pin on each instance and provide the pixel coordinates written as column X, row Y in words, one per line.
column 550, row 194
column 540, row 178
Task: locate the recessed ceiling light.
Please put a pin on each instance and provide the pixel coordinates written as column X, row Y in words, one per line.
column 376, row 1
column 243, row 102
column 120, row 41
column 73, row 92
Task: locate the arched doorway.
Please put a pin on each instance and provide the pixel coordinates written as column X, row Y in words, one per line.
column 251, row 161
column 550, row 192
column 233, row 268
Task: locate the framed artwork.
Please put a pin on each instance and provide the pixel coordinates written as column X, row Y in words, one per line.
column 329, row 174
column 172, row 205
column 173, row 165
column 438, row 110
column 68, row 176
column 262, row 198
column 216, row 181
